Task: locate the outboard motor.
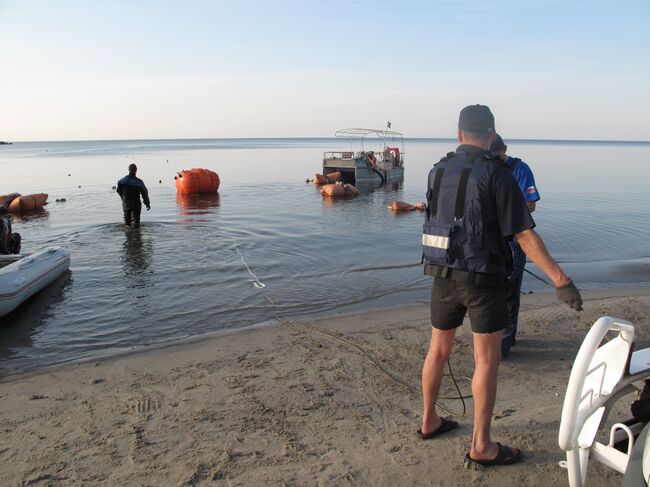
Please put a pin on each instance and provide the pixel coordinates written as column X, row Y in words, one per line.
column 9, row 242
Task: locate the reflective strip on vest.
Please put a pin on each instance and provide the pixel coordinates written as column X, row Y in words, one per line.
column 435, row 241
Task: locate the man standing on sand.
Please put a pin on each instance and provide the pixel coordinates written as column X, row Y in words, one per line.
column 473, row 208
column 130, row 188
column 526, row 181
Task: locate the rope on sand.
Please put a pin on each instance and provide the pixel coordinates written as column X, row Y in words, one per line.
column 319, row 331
column 392, row 375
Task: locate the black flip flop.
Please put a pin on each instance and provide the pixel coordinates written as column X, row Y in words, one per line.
column 445, row 426
column 505, row 456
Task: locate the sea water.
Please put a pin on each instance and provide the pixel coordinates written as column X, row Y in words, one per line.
column 268, row 245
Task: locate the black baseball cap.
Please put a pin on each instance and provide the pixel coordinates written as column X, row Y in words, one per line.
column 477, row 119
column 498, row 144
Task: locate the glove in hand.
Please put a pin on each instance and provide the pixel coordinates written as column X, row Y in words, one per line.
column 570, row 295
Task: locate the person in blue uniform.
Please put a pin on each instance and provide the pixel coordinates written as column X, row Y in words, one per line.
column 526, row 181
column 474, row 207
column 131, row 189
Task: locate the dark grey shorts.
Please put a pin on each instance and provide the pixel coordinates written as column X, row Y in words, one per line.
column 487, row 306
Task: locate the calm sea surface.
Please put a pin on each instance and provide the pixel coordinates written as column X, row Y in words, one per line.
column 197, row 264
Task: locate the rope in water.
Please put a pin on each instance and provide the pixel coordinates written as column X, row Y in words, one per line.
column 256, row 282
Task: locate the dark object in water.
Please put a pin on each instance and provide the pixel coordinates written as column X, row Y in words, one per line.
column 114, row 188
column 9, row 242
column 60, row 200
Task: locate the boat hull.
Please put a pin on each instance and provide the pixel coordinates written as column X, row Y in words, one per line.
column 358, row 171
column 22, row 279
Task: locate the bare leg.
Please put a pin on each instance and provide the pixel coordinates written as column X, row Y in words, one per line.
column 434, row 365
column 484, row 389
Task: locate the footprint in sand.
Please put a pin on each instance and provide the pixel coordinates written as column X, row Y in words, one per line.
column 143, row 407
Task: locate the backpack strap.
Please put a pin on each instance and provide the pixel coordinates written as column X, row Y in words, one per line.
column 433, row 196
column 459, row 209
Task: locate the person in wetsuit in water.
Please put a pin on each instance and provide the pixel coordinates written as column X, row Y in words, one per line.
column 131, row 188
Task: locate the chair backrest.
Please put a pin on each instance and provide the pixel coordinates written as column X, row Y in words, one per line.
column 595, row 372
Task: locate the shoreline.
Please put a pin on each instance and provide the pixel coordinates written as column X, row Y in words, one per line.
column 335, row 402
column 543, row 297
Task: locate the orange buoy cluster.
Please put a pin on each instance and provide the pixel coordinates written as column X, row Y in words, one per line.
column 339, row 190
column 197, row 181
column 8, row 198
column 330, row 178
column 16, row 203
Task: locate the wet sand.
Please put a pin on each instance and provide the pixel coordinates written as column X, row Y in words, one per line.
column 327, row 402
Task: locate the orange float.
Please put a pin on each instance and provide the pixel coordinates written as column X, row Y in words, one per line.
column 403, row 206
column 327, row 178
column 197, row 181
column 8, row 198
column 28, row 202
column 334, row 177
column 320, row 179
column 339, row 190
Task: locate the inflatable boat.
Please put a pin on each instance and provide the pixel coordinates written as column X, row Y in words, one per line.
column 26, row 276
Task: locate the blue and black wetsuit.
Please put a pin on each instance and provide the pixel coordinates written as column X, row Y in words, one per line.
column 130, row 188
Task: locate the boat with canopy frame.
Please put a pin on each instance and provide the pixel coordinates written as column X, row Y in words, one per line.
column 367, row 166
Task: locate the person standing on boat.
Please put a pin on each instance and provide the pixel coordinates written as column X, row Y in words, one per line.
column 372, row 160
column 474, row 207
column 131, row 188
column 526, row 181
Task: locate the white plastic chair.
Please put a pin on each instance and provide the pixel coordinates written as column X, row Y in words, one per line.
column 601, row 375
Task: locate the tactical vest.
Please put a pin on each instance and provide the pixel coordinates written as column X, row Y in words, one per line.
column 462, row 230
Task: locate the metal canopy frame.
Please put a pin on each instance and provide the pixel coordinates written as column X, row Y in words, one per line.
column 357, row 132
column 360, row 133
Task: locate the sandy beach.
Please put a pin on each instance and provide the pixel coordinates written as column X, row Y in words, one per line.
column 326, row 402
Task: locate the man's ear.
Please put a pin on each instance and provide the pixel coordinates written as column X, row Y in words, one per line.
column 493, row 137
column 460, row 136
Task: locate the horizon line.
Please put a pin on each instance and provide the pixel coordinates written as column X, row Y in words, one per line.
column 442, row 139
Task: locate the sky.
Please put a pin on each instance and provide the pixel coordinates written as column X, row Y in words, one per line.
column 90, row 70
